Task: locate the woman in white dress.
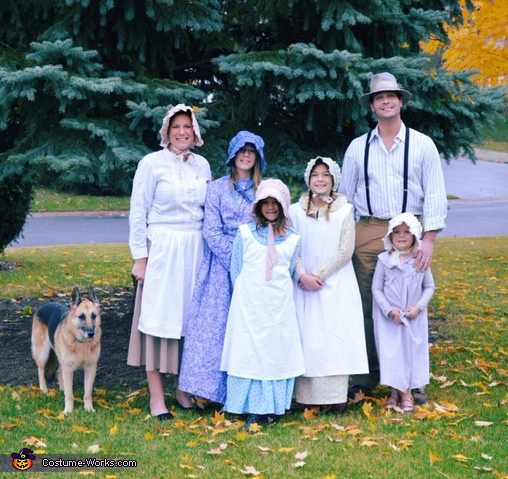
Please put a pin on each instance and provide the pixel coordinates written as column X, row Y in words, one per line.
column 262, row 352
column 328, row 303
column 166, row 217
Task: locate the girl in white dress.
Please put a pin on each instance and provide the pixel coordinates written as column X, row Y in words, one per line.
column 328, row 303
column 401, row 294
column 166, row 218
column 262, row 352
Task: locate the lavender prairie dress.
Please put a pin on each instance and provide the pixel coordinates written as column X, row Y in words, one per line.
column 226, row 207
column 403, row 349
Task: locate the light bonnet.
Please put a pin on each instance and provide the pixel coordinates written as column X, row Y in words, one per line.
column 411, row 220
column 240, row 140
column 383, row 82
column 180, row 108
column 333, row 167
column 275, row 189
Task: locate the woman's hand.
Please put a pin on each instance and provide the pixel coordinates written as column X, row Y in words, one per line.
column 139, row 269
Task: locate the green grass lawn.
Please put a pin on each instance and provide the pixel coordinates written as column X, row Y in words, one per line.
column 461, row 433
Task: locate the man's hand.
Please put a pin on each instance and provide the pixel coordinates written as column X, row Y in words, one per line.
column 423, row 255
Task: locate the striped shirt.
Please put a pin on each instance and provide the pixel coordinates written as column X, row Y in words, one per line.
column 426, row 187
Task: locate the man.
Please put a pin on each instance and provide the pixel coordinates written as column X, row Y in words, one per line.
column 403, row 174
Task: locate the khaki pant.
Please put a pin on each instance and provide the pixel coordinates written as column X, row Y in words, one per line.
column 368, row 245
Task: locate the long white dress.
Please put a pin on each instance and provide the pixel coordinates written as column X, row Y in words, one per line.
column 403, row 349
column 262, row 342
column 166, row 218
column 330, row 319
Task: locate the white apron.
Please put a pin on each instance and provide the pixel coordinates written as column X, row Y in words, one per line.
column 330, row 319
column 262, row 340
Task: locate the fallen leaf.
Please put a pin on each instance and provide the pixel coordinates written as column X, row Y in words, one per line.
column 242, row 435
column 461, row 458
column 113, row 430
column 299, row 464
column 308, row 413
column 94, row 449
column 250, row 470
column 483, row 423
column 301, row 455
column 286, row 449
column 367, row 409
column 434, row 457
column 368, row 443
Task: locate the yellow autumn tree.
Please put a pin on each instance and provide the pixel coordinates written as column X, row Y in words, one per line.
column 480, row 43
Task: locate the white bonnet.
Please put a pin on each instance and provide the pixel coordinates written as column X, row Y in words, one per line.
column 333, row 166
column 172, row 112
column 275, row 189
column 411, row 220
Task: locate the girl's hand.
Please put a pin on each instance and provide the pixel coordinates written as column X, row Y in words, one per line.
column 395, row 315
column 139, row 269
column 309, row 282
column 412, row 312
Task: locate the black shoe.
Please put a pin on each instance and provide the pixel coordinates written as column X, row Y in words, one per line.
column 260, row 419
column 338, row 408
column 419, row 396
column 353, row 390
column 165, row 416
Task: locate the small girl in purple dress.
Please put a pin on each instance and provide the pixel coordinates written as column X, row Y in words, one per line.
column 401, row 294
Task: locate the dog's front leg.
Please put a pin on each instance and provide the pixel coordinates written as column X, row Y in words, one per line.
column 68, row 376
column 90, row 371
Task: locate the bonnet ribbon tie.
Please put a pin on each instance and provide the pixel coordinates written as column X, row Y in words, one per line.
column 271, row 255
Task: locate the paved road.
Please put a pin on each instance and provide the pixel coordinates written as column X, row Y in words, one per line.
column 481, row 210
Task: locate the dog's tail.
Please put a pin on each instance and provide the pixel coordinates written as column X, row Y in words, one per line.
column 51, row 366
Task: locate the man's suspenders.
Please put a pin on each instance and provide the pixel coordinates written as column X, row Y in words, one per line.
column 366, row 171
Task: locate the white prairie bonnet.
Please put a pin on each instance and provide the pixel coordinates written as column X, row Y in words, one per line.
column 415, row 228
column 333, row 167
column 180, row 108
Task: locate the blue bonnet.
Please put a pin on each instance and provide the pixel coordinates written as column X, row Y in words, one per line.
column 241, row 139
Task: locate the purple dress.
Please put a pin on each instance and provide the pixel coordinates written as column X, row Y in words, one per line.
column 225, row 210
column 403, row 349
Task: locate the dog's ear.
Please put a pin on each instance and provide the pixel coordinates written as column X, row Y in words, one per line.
column 75, row 297
column 92, row 296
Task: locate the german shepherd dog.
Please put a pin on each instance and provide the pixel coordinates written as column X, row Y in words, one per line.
column 67, row 339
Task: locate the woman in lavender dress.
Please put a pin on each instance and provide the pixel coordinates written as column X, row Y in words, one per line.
column 228, row 205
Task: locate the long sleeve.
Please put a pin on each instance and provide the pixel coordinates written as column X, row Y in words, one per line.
column 377, row 289
column 294, row 260
column 236, row 258
column 428, row 290
column 344, row 253
column 219, row 243
column 143, row 188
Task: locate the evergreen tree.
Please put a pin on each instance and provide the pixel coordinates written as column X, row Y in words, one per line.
column 84, row 83
column 312, row 60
